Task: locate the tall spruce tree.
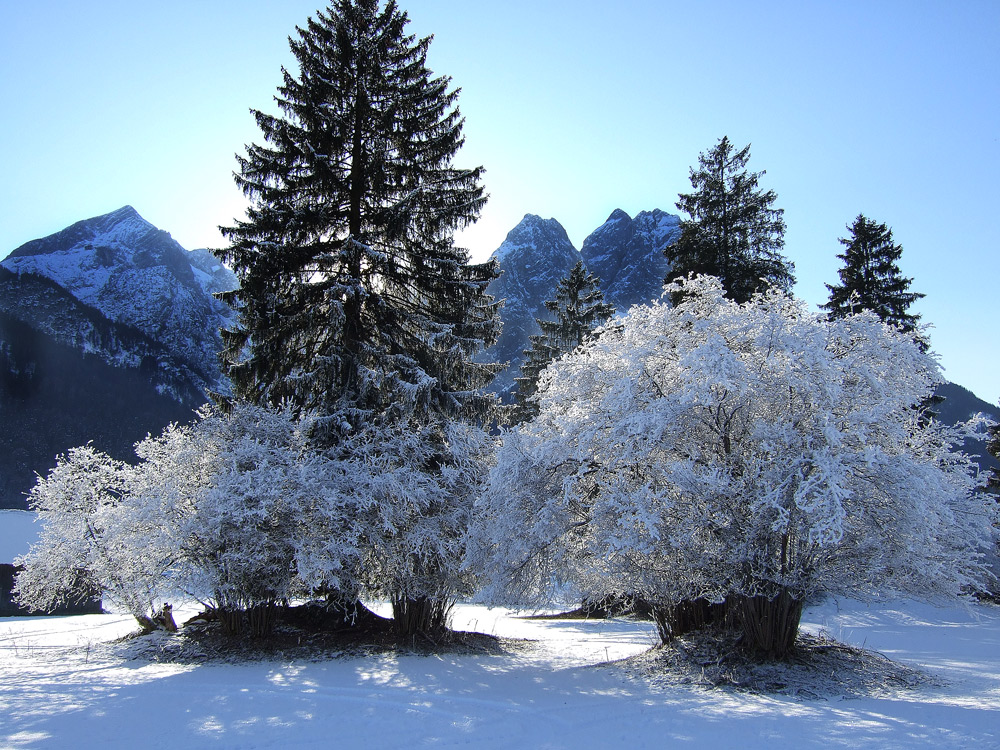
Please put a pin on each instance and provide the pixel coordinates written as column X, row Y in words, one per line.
column 354, row 303
column 870, row 278
column 578, row 308
column 353, row 299
column 734, row 232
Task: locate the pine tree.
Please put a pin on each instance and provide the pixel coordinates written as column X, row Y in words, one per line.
column 734, row 232
column 354, row 304
column 870, row 278
column 353, row 299
column 993, row 446
column 578, row 308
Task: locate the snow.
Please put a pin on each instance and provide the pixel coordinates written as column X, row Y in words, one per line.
column 62, row 684
column 18, row 532
column 78, row 267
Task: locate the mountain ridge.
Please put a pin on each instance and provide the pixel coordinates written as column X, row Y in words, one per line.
column 137, row 275
column 108, row 332
column 625, row 254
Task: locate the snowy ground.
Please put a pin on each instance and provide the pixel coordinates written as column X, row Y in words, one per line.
column 62, row 686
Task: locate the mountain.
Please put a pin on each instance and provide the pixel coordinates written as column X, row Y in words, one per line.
column 626, row 254
column 137, row 275
column 108, row 332
column 959, row 405
column 534, row 257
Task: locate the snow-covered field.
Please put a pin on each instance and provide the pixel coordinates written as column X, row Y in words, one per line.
column 61, row 686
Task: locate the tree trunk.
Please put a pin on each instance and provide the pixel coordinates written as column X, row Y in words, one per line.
column 421, row 615
column 260, row 619
column 687, row 616
column 231, row 621
column 770, row 624
column 256, row 621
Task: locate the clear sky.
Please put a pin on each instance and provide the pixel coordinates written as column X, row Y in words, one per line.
column 575, row 108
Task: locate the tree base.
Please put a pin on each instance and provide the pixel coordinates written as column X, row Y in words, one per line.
column 253, row 622
column 769, row 625
column 163, row 619
column 688, row 616
column 420, row 616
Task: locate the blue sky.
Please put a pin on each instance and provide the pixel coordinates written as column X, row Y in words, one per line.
column 891, row 109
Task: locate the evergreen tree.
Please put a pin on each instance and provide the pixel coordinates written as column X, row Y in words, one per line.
column 578, row 308
column 734, row 232
column 870, row 278
column 354, row 304
column 353, row 300
column 993, row 446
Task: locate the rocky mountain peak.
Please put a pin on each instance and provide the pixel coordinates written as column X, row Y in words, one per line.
column 534, row 235
column 138, row 275
column 626, row 254
column 534, row 257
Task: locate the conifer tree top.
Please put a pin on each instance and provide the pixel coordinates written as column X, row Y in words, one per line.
column 353, row 295
column 734, row 233
column 870, row 278
column 577, row 308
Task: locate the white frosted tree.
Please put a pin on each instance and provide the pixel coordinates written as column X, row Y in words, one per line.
column 418, row 485
column 242, row 513
column 92, row 540
column 255, row 531
column 755, row 454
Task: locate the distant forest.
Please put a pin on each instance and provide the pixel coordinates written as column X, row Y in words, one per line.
column 53, row 397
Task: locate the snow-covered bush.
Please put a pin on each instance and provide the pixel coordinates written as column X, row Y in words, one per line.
column 263, row 513
column 418, row 484
column 756, row 454
column 93, row 538
column 232, row 510
column 240, row 511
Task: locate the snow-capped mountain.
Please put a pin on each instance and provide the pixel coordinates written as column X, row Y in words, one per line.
column 108, row 332
column 626, row 254
column 137, row 275
column 533, row 258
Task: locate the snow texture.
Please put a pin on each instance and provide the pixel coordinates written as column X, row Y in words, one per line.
column 63, row 682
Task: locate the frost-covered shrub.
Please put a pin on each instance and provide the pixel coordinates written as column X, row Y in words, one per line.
column 233, row 510
column 94, row 538
column 241, row 511
column 250, row 527
column 754, row 453
column 418, row 483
